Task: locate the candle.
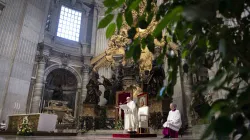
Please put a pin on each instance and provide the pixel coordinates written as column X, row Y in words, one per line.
column 15, row 105
column 18, row 107
column 14, row 109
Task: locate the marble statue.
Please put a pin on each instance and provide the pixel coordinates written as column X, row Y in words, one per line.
column 93, row 92
column 58, row 93
column 68, row 118
column 111, row 85
column 108, row 94
column 155, row 79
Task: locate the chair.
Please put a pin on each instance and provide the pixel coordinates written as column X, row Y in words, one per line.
column 143, row 114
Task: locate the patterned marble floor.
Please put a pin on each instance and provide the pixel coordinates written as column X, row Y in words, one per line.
column 83, row 138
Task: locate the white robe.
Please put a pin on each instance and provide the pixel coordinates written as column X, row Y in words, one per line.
column 143, row 117
column 174, row 120
column 130, row 117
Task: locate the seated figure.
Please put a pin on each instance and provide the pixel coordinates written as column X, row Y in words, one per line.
column 173, row 123
column 143, row 116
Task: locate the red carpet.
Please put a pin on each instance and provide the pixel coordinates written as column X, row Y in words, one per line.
column 133, row 135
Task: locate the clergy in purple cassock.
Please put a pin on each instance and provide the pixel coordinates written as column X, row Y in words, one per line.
column 173, row 123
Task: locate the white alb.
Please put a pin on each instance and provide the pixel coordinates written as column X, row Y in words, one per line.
column 130, row 119
column 174, row 120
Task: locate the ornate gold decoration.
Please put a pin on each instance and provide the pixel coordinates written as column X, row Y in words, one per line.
column 119, row 41
column 110, row 112
column 136, row 91
column 16, row 121
column 155, row 106
column 145, row 61
column 116, row 46
column 88, row 110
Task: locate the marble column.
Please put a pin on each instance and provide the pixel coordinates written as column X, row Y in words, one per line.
column 77, row 102
column 38, row 89
column 94, row 30
column 31, row 91
column 82, row 92
column 187, row 93
column 85, row 80
column 187, row 80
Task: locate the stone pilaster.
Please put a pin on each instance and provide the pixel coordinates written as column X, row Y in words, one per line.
column 187, row 87
column 94, row 30
column 36, row 99
column 187, row 80
column 77, row 102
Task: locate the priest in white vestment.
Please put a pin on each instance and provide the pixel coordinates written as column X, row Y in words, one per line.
column 173, row 123
column 130, row 117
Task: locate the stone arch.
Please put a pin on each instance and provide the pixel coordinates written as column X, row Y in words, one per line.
column 71, row 69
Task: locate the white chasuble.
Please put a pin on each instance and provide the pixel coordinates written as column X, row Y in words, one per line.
column 174, row 120
column 130, row 117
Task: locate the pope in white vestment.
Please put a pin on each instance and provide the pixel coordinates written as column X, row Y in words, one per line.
column 130, row 116
column 173, row 123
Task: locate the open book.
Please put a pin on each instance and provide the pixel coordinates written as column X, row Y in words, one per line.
column 125, row 108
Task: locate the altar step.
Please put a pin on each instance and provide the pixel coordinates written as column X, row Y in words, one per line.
column 187, row 133
column 66, row 131
column 134, row 135
column 42, row 133
column 102, row 132
column 111, row 132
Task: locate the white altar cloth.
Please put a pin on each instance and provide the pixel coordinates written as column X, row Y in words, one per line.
column 46, row 122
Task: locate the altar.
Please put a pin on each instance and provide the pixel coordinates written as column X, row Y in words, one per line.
column 37, row 122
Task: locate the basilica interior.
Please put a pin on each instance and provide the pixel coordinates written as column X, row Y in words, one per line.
column 54, row 60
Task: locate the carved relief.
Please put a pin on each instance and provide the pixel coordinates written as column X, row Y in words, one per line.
column 42, row 58
column 85, row 68
column 73, row 2
column 65, row 59
column 57, row 2
column 85, row 8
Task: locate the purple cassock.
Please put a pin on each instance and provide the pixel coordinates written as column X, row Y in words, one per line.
column 169, row 132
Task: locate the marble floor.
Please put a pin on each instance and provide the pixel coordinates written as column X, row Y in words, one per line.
column 83, row 138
